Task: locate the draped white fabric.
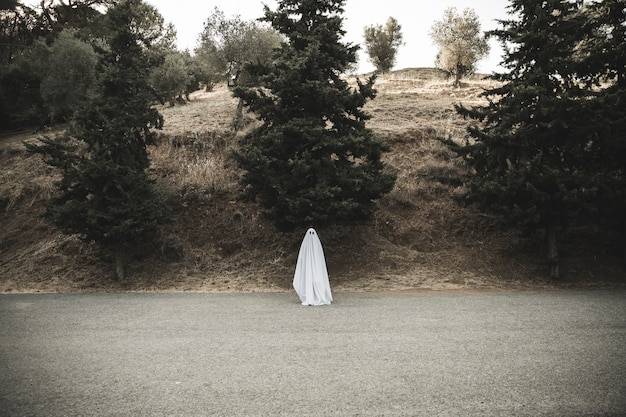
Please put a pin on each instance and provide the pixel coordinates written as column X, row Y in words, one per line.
column 311, row 277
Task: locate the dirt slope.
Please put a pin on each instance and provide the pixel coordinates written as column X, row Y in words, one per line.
column 420, row 239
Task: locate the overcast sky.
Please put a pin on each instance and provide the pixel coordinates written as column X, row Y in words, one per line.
column 415, row 17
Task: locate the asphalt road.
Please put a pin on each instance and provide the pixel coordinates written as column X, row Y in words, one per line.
column 421, row 354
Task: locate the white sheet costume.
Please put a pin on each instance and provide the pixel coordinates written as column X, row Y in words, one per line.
column 311, row 278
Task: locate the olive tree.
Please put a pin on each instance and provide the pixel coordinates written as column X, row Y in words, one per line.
column 461, row 43
column 382, row 43
column 226, row 44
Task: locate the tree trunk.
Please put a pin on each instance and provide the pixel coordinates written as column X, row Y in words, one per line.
column 553, row 253
column 119, row 264
column 457, row 75
column 237, row 122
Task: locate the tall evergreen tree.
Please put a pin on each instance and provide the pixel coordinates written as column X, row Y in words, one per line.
column 312, row 162
column 601, row 61
column 529, row 153
column 106, row 195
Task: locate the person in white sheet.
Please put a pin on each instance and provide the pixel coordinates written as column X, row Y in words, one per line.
column 311, row 277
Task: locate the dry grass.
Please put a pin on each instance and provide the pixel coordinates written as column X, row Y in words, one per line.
column 206, row 112
column 411, row 115
column 418, row 239
column 15, row 187
column 192, row 162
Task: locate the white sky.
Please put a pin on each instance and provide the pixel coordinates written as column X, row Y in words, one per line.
column 416, row 18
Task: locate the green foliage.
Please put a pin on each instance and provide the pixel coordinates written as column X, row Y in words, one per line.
column 601, row 62
column 179, row 75
column 85, row 17
column 460, row 42
column 227, row 44
column 48, row 56
column 20, row 99
column 313, row 162
column 536, row 154
column 172, row 77
column 19, row 27
column 45, row 74
column 48, row 83
column 196, row 70
column 69, row 76
column 106, row 195
column 382, row 44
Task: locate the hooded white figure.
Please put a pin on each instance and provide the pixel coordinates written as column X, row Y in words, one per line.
column 311, row 278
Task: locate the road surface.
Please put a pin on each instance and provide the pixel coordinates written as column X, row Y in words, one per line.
column 263, row 354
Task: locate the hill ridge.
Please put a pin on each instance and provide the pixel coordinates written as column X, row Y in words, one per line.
column 419, row 239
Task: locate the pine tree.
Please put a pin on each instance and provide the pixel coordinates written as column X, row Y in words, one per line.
column 312, row 162
column 601, row 61
column 529, row 153
column 106, row 195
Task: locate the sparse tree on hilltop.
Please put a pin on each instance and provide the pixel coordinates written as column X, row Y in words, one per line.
column 312, row 162
column 382, row 44
column 460, row 41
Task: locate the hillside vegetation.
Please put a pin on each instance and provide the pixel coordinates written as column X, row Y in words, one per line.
column 419, row 239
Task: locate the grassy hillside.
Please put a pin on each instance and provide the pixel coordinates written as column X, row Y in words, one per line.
column 420, row 239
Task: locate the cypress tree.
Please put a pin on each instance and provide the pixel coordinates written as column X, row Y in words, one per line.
column 106, row 195
column 312, row 162
column 528, row 155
